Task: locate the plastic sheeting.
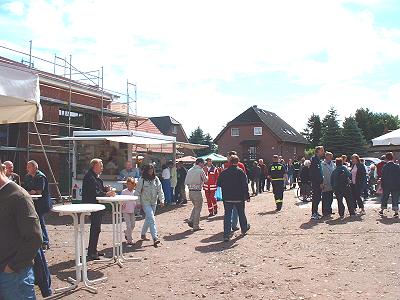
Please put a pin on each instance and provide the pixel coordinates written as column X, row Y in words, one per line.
column 19, row 95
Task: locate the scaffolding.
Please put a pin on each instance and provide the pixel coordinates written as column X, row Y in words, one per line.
column 76, row 83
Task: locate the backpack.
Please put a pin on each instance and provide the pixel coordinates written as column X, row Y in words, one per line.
column 343, row 181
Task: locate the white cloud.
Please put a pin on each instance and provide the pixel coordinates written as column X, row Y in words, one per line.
column 177, row 51
column 17, row 8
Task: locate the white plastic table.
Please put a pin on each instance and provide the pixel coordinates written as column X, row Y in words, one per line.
column 78, row 213
column 116, row 207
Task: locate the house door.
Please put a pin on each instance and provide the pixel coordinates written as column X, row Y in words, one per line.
column 252, row 153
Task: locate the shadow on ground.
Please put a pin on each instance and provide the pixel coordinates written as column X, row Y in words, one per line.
column 216, row 243
column 178, row 236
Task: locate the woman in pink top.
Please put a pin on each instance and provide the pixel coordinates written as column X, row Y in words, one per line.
column 128, row 209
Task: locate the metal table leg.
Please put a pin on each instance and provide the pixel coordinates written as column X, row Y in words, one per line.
column 80, row 258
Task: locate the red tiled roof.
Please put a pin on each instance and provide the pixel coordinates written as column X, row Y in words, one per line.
column 144, row 126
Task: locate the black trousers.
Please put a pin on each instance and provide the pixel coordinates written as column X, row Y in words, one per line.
column 357, row 201
column 261, row 185
column 295, row 178
column 95, row 229
column 268, row 184
column 316, row 198
column 327, row 199
column 278, row 188
column 349, row 201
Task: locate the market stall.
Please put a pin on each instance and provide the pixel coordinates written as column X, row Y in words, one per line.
column 115, row 148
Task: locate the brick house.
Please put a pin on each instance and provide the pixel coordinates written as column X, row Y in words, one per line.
column 169, row 126
column 257, row 133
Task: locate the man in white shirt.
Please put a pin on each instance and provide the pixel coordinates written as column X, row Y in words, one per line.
column 195, row 179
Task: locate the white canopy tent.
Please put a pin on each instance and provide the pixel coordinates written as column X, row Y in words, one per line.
column 20, row 100
column 388, row 139
column 142, row 139
column 19, row 95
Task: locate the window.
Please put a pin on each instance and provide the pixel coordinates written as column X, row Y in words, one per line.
column 174, row 129
column 295, row 150
column 78, row 119
column 234, row 131
column 257, row 130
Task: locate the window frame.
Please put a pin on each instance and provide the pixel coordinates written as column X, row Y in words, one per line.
column 254, row 130
column 238, row 132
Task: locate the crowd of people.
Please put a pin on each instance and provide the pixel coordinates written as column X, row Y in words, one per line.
column 323, row 177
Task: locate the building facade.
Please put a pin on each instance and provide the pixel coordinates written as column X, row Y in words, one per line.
column 257, row 133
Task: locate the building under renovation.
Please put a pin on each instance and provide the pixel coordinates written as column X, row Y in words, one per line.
column 68, row 105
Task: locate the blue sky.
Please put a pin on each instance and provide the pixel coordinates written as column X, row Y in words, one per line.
column 206, row 62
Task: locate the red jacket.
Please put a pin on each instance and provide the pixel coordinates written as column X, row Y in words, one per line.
column 379, row 168
column 240, row 165
column 212, row 174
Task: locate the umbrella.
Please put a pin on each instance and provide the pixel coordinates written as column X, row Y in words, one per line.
column 215, row 157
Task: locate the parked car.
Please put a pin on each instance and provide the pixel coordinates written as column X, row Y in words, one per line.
column 371, row 161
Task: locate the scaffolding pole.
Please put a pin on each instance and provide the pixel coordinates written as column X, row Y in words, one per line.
column 48, row 162
column 69, row 125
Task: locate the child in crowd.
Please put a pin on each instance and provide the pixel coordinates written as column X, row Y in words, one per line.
column 128, row 209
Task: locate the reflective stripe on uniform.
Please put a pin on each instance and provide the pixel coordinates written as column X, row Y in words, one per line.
column 276, row 179
column 279, row 201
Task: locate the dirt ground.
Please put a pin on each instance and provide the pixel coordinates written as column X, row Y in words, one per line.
column 284, row 256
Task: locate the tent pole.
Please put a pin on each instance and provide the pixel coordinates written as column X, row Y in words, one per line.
column 48, row 162
column 174, row 153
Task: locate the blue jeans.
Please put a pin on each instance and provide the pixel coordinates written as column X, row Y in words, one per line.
column 235, row 217
column 150, row 220
column 166, row 186
column 229, row 207
column 19, row 285
column 45, row 236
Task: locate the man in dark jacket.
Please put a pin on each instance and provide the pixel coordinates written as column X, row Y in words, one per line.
column 93, row 187
column 21, row 238
column 316, row 181
column 390, row 184
column 180, row 189
column 35, row 182
column 277, row 173
column 235, row 191
column 263, row 172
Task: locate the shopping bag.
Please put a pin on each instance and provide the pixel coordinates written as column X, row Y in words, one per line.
column 218, row 194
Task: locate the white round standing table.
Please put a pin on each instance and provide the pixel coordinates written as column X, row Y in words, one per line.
column 78, row 213
column 116, row 207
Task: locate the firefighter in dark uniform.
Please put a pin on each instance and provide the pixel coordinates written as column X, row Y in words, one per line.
column 277, row 175
column 296, row 174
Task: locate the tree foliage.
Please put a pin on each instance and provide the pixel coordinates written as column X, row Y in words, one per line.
column 199, row 137
column 353, row 138
column 375, row 124
column 332, row 138
column 313, row 130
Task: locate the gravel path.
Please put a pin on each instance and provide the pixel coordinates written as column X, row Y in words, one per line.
column 284, row 256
